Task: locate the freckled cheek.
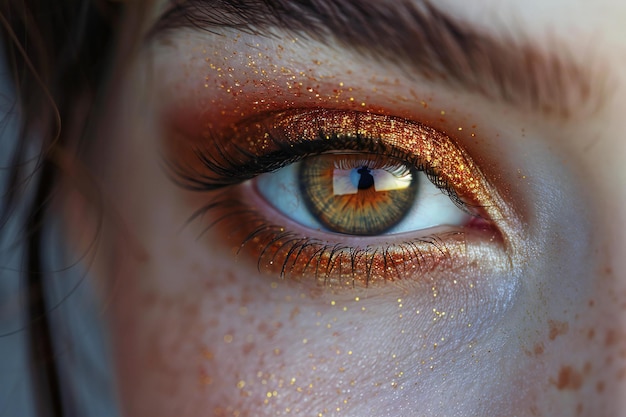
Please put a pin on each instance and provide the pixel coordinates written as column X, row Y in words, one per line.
column 223, row 344
column 226, row 341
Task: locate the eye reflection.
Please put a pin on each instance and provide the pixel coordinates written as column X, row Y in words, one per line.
column 359, row 194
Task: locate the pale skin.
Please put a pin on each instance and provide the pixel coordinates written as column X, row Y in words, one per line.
column 199, row 330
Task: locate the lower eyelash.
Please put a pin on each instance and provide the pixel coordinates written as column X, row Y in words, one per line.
column 296, row 256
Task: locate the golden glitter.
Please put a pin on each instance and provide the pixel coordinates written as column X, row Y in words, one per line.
column 228, row 338
column 341, row 269
column 443, row 113
column 241, row 384
column 207, row 354
column 206, row 380
column 356, row 299
column 332, row 303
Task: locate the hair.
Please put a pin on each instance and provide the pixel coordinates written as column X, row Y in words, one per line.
column 58, row 56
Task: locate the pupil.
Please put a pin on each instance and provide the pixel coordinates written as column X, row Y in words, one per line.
column 366, row 180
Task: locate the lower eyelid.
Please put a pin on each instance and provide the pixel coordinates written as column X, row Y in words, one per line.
column 275, row 246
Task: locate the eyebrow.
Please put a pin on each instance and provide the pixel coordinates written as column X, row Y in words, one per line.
column 416, row 36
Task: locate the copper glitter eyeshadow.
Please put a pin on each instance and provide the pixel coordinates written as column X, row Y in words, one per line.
column 281, row 247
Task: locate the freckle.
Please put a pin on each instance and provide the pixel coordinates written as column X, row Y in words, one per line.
column 600, row 387
column 591, row 303
column 611, row 338
column 590, row 334
column 294, row 313
column 538, row 349
column 587, row 368
column 247, row 348
column 207, row 354
column 568, row 378
column 205, row 379
column 579, row 409
column 557, row 328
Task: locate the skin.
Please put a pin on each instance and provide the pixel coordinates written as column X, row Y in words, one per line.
column 197, row 330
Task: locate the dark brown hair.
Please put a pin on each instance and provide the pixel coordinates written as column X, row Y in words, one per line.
column 57, row 54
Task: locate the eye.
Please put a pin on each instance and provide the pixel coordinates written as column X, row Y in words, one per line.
column 344, row 198
column 359, row 194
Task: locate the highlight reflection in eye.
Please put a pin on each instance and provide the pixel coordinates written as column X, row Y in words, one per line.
column 359, row 194
column 344, row 198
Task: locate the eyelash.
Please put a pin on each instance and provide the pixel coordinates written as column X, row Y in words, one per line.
column 223, row 173
column 231, row 172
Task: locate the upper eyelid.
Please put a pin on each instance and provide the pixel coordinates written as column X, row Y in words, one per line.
column 264, row 142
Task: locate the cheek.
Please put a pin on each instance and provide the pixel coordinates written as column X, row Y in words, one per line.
column 196, row 335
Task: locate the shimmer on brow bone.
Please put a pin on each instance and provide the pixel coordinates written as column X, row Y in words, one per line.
column 417, row 37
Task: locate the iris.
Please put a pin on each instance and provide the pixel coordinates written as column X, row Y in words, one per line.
column 357, row 194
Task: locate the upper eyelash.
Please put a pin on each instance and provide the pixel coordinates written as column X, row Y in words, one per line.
column 235, row 166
